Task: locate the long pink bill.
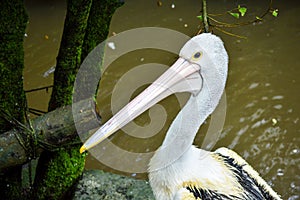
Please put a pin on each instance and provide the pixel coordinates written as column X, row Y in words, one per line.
column 182, row 76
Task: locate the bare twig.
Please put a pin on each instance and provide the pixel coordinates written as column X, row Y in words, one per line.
column 41, row 88
column 36, row 111
column 231, row 34
column 204, row 14
column 219, row 25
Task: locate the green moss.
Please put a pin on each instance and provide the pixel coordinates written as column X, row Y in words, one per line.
column 98, row 23
column 57, row 172
column 60, row 174
column 13, row 20
column 96, row 32
column 69, row 55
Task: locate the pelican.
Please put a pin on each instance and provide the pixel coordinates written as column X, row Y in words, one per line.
column 178, row 170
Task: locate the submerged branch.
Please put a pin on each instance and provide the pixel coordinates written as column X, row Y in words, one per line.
column 40, row 88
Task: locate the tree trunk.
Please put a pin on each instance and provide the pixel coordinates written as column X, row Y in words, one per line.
column 64, row 167
column 58, row 171
column 96, row 32
column 98, row 24
column 13, row 20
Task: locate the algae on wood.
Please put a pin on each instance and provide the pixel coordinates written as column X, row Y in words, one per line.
column 13, row 20
column 50, row 174
column 64, row 167
column 53, row 131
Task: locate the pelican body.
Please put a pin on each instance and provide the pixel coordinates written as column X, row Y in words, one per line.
column 178, row 170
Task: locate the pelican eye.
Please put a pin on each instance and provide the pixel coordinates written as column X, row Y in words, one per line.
column 197, row 55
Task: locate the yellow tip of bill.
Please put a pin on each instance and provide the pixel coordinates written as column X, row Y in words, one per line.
column 82, row 149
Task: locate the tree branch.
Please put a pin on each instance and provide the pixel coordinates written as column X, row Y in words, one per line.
column 204, row 14
column 53, row 131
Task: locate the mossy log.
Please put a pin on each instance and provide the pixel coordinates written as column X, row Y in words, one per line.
column 53, row 131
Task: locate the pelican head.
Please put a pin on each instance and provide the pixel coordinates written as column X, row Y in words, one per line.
column 204, row 49
column 202, row 61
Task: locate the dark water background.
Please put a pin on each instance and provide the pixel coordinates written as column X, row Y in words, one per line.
column 262, row 121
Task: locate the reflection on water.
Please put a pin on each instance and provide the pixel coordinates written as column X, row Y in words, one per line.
column 262, row 122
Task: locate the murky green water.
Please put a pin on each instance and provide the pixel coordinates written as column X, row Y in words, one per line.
column 262, row 121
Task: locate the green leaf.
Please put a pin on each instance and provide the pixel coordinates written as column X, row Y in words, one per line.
column 200, row 17
column 242, row 10
column 236, row 15
column 258, row 18
column 275, row 12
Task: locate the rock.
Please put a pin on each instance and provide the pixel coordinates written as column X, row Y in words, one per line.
column 96, row 184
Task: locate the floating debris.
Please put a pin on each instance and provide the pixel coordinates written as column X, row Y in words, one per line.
column 111, row 45
column 49, row 71
column 267, row 84
column 242, row 119
column 280, row 172
column 274, row 121
column 173, row 5
column 253, row 85
column 185, row 25
column 249, row 105
column 278, row 106
column 277, row 97
column 295, row 151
